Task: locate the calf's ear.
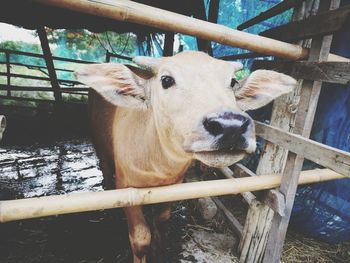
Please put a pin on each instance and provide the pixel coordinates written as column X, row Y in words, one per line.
column 120, row 85
column 261, row 87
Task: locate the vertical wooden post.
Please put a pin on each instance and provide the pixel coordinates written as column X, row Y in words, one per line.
column 205, row 45
column 272, row 160
column 310, row 93
column 264, row 231
column 8, row 68
column 108, row 57
column 168, row 48
column 49, row 64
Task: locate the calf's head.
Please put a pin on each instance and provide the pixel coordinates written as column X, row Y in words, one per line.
column 197, row 104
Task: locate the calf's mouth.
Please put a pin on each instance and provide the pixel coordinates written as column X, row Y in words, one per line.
column 220, row 158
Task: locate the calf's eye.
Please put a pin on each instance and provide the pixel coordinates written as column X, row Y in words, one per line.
column 167, row 81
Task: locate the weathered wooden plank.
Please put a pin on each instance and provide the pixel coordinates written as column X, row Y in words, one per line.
column 309, row 95
column 233, row 222
column 257, row 245
column 319, row 153
column 333, row 72
column 247, row 196
column 331, row 57
column 320, row 25
column 275, row 10
column 272, row 198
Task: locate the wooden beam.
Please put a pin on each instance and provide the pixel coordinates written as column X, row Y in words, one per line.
column 108, row 57
column 274, row 199
column 111, row 55
column 272, row 160
column 91, row 201
column 331, row 57
column 247, row 196
column 319, row 153
column 320, row 25
column 333, row 72
column 49, row 63
column 246, row 55
column 273, row 11
column 8, row 72
column 233, row 222
column 168, row 49
column 129, row 11
column 309, row 95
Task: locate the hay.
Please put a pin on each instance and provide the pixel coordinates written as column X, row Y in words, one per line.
column 299, row 248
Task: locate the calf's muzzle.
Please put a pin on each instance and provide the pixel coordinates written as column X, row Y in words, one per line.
column 232, row 130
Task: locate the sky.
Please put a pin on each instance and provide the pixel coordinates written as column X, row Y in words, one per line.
column 10, row 32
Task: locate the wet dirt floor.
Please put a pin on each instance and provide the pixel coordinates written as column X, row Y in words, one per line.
column 61, row 164
column 71, row 166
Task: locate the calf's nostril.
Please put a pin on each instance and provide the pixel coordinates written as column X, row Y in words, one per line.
column 213, row 127
column 244, row 126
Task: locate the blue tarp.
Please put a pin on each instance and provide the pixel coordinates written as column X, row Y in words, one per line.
column 323, row 211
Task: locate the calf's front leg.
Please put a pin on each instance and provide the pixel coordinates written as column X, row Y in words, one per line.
column 139, row 233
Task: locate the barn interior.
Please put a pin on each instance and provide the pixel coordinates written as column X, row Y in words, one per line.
column 46, row 150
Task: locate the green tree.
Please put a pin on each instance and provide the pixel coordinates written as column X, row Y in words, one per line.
column 21, row 46
column 83, row 44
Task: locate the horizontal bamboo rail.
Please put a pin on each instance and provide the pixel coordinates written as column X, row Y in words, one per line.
column 35, row 88
column 129, row 11
column 81, row 202
column 22, row 76
column 36, row 67
column 36, row 55
column 14, row 98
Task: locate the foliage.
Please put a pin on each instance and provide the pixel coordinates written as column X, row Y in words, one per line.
column 233, row 13
column 82, row 44
column 22, row 46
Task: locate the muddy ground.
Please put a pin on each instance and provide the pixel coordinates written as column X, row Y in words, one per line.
column 55, row 160
column 71, row 166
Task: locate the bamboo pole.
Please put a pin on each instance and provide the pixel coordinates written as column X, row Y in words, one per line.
column 132, row 12
column 81, row 202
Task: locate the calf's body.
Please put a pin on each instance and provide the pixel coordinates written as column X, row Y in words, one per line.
column 148, row 125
